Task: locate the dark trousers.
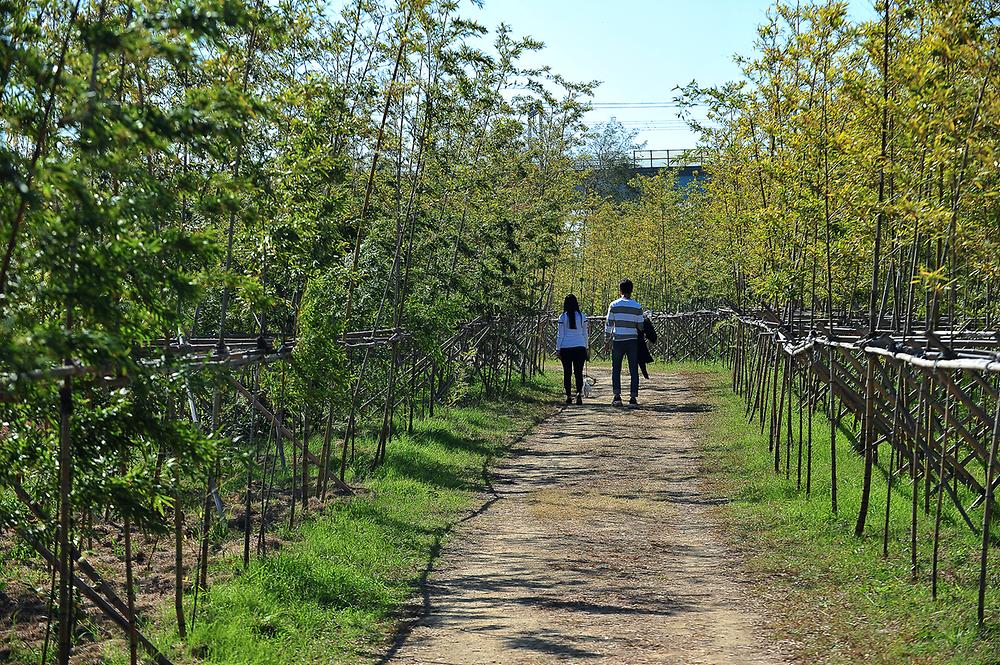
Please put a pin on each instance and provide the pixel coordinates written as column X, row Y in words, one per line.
column 572, row 362
column 619, row 350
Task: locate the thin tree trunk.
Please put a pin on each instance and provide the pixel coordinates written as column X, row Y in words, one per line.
column 179, row 556
column 65, row 517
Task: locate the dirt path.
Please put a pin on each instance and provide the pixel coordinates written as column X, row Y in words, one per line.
column 598, row 547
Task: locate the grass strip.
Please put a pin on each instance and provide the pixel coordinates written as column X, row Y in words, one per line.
column 829, row 596
column 335, row 591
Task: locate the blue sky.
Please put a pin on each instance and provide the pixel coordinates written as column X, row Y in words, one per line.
column 640, row 49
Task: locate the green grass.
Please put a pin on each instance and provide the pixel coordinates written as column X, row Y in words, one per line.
column 831, row 595
column 333, row 594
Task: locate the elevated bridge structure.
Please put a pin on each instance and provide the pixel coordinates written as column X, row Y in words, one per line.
column 688, row 164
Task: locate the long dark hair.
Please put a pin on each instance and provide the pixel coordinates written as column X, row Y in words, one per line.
column 572, row 308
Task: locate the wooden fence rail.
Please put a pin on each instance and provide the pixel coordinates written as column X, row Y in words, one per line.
column 919, row 405
column 689, row 336
column 924, row 407
column 235, row 390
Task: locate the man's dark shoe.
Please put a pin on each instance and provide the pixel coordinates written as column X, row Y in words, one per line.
column 616, row 401
column 632, row 401
column 569, row 400
column 579, row 400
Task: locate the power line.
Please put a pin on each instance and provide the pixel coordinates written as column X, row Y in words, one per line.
column 664, row 121
column 641, row 105
column 664, row 129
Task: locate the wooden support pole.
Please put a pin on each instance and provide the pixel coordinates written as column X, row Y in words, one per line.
column 890, row 471
column 833, row 436
column 942, row 481
column 988, row 515
column 914, row 474
column 868, row 443
column 65, row 643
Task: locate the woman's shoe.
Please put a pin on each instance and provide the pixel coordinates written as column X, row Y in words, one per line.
column 579, row 400
column 569, row 400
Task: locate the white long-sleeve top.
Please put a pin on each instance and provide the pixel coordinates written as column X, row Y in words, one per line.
column 568, row 338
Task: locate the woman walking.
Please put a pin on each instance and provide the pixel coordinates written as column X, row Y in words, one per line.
column 572, row 346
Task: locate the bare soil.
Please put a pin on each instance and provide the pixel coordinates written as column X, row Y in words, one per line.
column 23, row 599
column 597, row 544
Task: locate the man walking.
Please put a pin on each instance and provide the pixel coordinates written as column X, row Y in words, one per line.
column 623, row 324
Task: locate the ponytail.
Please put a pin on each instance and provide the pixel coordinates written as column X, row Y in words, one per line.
column 571, row 308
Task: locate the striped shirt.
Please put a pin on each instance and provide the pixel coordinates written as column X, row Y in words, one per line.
column 568, row 338
column 624, row 319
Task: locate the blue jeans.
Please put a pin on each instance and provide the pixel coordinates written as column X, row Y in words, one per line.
column 620, row 349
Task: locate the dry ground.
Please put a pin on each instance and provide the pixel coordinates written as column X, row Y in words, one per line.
column 596, row 546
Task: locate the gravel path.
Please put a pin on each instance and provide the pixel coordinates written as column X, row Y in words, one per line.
column 597, row 547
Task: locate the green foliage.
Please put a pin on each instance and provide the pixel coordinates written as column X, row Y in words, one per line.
column 658, row 239
column 607, row 152
column 319, row 361
column 187, row 169
column 860, row 150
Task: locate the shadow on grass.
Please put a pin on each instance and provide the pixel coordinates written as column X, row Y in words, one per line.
column 439, row 434
column 418, row 466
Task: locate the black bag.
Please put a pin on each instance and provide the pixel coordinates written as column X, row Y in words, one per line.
column 645, row 357
column 648, row 331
